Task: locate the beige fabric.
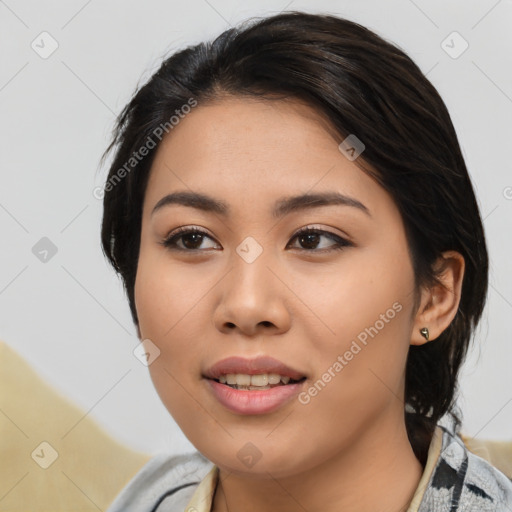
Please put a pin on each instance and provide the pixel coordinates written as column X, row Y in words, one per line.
column 433, row 454
column 90, row 468
column 202, row 499
column 498, row 453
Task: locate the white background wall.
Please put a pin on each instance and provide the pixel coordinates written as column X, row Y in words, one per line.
column 68, row 317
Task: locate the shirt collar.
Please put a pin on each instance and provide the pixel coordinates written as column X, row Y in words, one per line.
column 202, row 499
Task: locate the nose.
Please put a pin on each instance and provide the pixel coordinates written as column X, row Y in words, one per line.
column 252, row 300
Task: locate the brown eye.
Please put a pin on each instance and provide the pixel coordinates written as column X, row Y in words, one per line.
column 310, row 238
column 187, row 239
column 192, row 240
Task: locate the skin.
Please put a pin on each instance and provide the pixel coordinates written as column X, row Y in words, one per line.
column 347, row 449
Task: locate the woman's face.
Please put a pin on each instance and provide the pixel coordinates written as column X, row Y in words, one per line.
column 335, row 305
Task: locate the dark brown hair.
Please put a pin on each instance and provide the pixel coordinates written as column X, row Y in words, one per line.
column 362, row 85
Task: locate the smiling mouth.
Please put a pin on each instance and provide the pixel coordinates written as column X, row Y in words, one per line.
column 256, row 382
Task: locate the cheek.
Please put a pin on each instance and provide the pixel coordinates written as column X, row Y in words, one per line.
column 368, row 311
column 167, row 302
column 368, row 287
column 165, row 294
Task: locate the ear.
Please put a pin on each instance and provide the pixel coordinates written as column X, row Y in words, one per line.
column 440, row 302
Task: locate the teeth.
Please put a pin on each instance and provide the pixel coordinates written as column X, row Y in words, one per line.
column 261, row 380
column 274, row 378
column 243, row 380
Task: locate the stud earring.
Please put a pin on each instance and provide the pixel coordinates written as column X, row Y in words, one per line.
column 424, row 332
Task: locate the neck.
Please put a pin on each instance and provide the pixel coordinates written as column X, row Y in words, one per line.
column 377, row 472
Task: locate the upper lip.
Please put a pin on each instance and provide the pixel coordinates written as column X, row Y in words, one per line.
column 255, row 366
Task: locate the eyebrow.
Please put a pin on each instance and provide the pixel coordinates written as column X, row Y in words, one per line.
column 282, row 207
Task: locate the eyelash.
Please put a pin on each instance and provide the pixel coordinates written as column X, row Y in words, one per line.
column 340, row 243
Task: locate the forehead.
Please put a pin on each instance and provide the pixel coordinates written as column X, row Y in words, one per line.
column 246, row 150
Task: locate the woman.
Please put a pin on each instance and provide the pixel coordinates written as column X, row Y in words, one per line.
column 305, row 262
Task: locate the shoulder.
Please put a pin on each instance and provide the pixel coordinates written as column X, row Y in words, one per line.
column 170, row 477
column 462, row 481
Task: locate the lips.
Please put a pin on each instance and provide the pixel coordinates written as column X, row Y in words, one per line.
column 255, row 366
column 251, row 399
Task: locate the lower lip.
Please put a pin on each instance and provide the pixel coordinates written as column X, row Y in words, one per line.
column 244, row 401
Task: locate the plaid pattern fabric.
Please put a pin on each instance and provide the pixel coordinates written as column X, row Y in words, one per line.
column 463, row 482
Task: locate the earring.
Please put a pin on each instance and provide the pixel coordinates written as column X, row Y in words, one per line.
column 424, row 332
